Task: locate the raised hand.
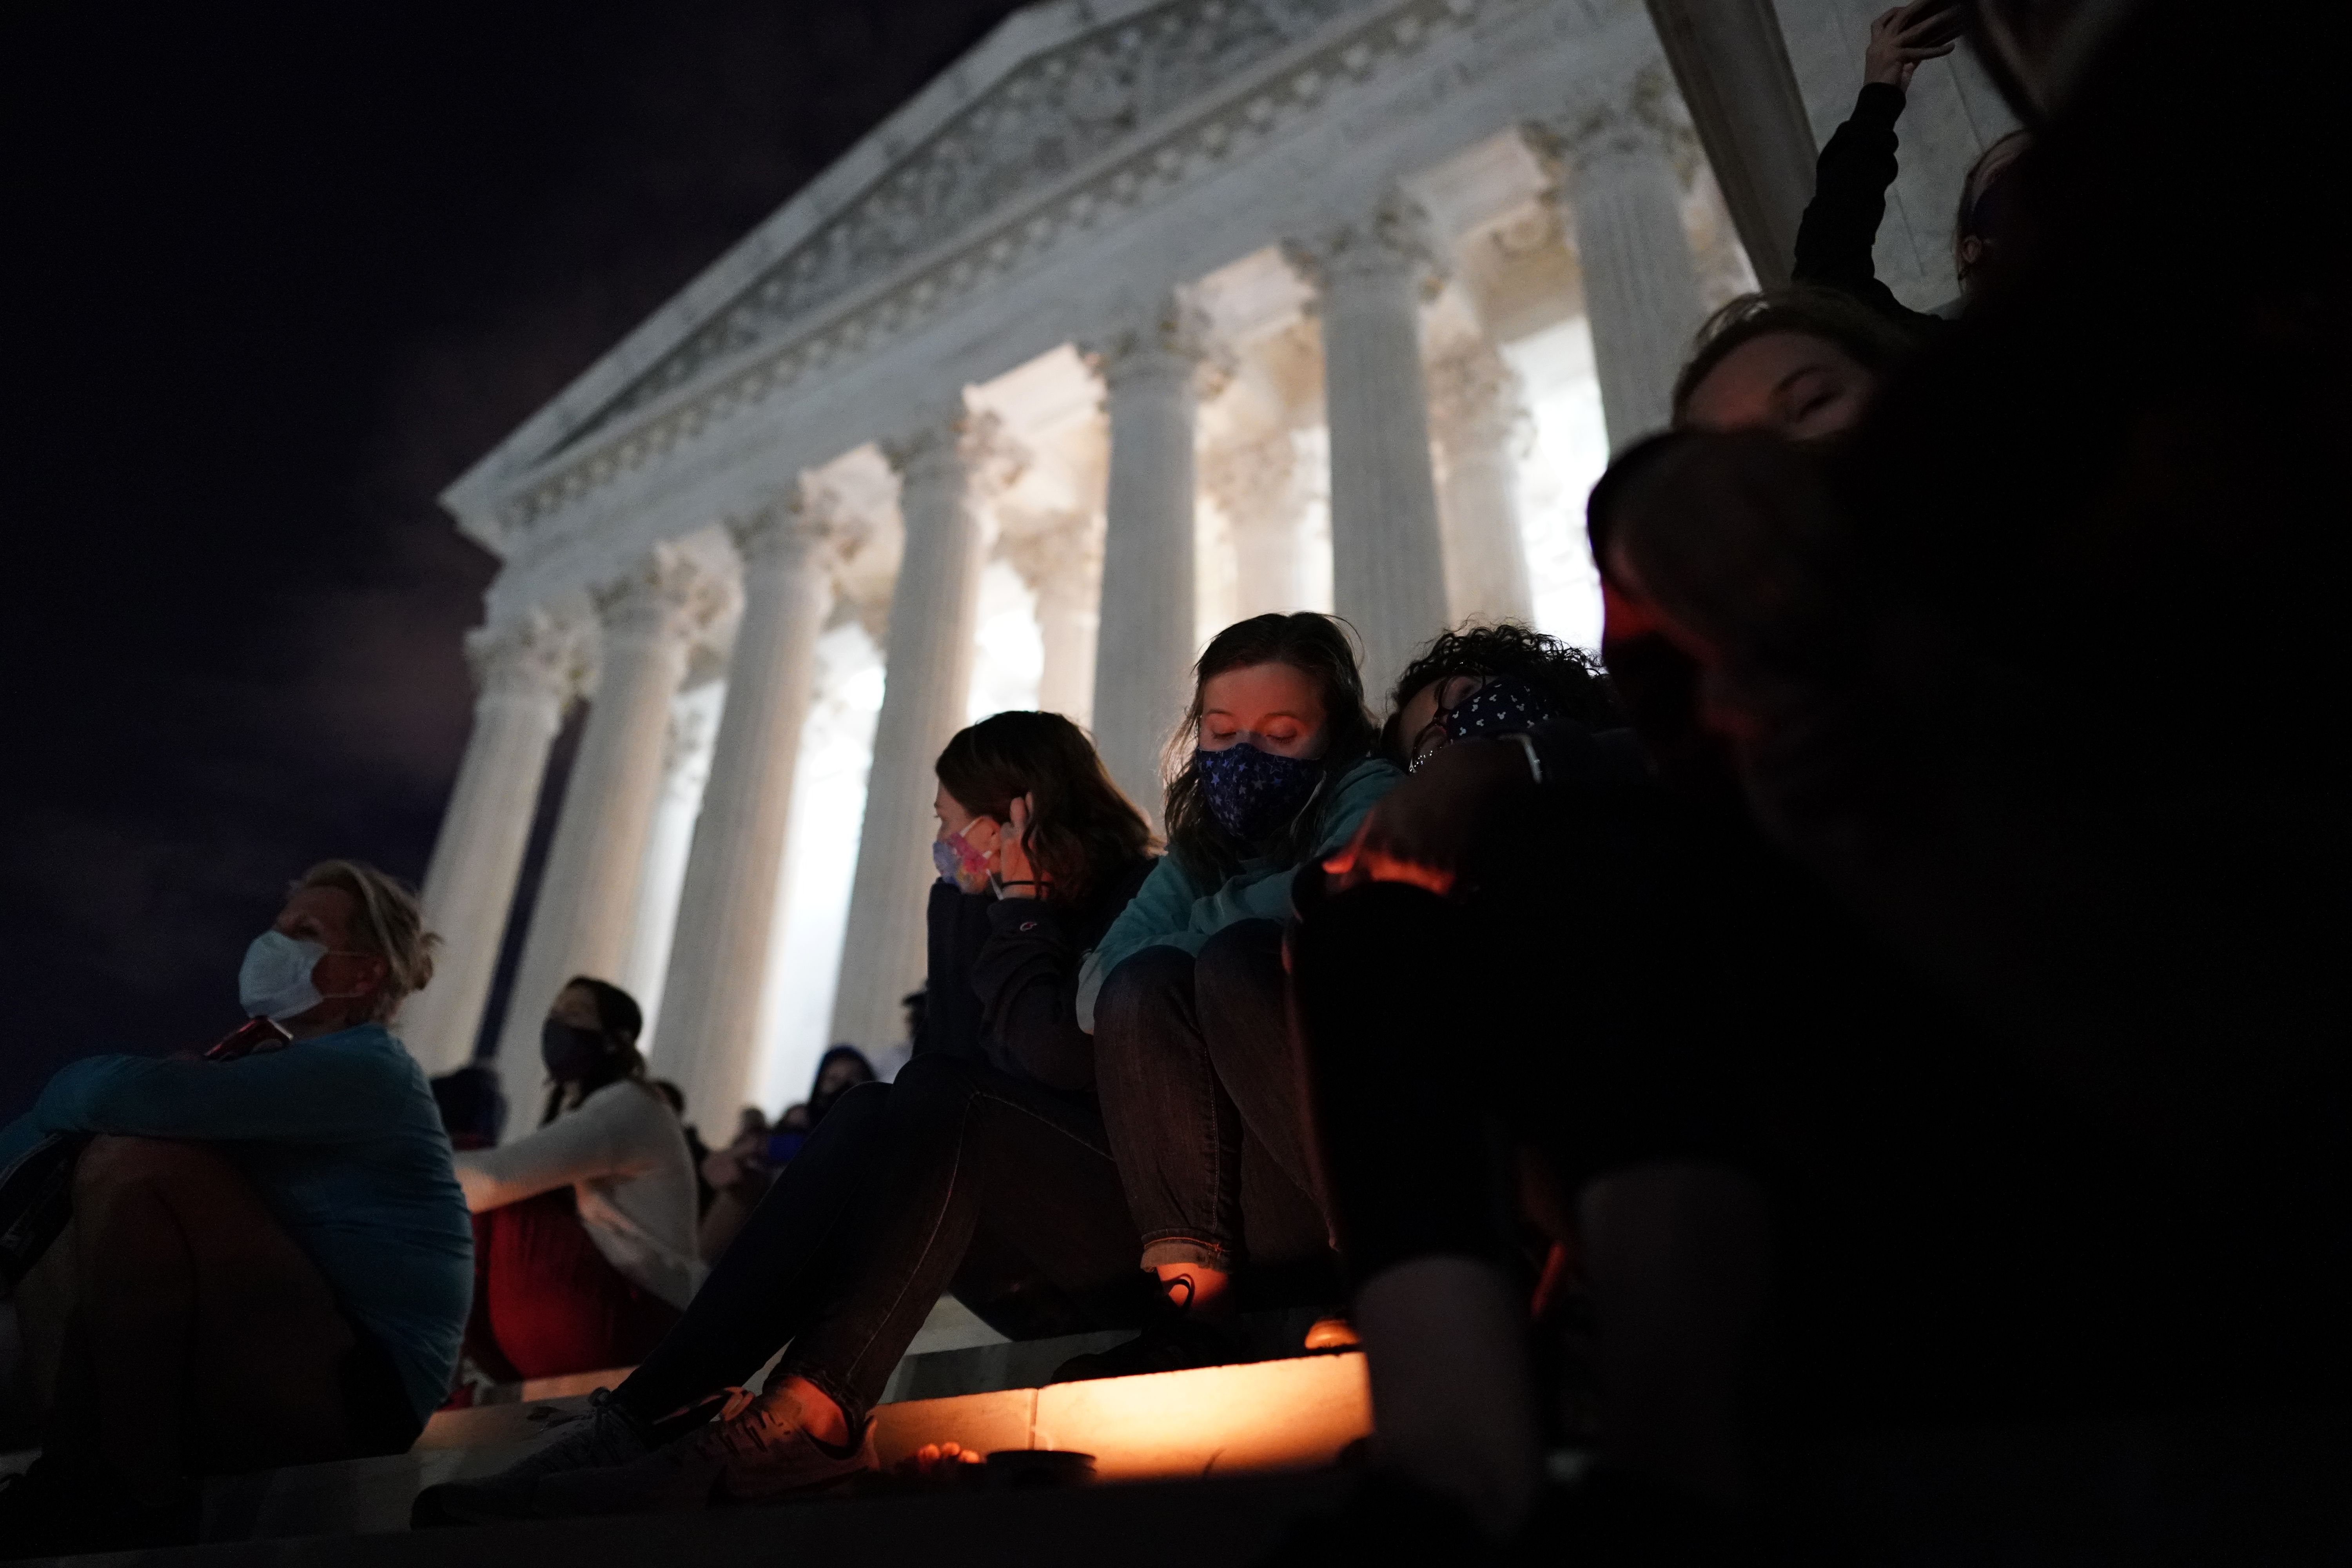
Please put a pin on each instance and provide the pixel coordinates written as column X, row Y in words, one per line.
column 1017, row 875
column 1901, row 38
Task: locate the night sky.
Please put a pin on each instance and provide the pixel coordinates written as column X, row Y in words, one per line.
column 275, row 275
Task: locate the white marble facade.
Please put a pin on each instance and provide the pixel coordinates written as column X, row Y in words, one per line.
column 1146, row 315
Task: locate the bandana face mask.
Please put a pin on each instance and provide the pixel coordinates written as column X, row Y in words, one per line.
column 958, row 861
column 1503, row 705
column 1253, row 792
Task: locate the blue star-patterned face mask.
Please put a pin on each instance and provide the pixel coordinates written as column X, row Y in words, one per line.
column 1253, row 792
column 1503, row 705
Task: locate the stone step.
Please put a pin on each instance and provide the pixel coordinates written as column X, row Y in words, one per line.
column 1155, row 1524
column 1290, row 1415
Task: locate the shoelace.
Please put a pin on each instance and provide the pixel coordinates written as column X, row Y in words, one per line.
column 740, row 1429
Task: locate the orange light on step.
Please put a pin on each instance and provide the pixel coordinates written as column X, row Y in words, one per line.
column 1275, row 1415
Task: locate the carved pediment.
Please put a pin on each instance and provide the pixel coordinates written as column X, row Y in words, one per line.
column 1044, row 118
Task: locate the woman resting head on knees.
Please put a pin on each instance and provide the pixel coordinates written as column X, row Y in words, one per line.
column 1800, row 362
column 1185, row 992
column 584, row 1230
column 982, row 1170
column 1031, row 830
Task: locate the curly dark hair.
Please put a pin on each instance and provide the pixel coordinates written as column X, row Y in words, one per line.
column 1320, row 648
column 1081, row 828
column 1572, row 677
column 1868, row 338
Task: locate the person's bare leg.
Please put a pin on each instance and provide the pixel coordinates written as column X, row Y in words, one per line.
column 815, row 1411
column 1676, row 1259
column 207, row 1323
column 1200, row 1290
column 1453, row 1392
column 135, row 1291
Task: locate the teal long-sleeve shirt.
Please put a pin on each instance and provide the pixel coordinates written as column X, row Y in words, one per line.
column 1175, row 909
column 341, row 1139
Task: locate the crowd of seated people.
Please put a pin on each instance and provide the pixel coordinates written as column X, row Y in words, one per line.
column 1872, row 994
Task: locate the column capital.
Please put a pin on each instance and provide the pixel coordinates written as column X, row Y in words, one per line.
column 1475, row 396
column 533, row 656
column 1643, row 124
column 1056, row 552
column 1252, row 477
column 787, row 531
column 666, row 597
column 966, row 449
column 1167, row 344
column 1390, row 243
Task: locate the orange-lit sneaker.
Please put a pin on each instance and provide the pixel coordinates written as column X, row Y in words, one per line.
column 755, row 1451
column 1333, row 1333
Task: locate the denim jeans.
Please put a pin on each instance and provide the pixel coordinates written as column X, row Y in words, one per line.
column 1200, row 1092
column 956, row 1176
column 974, row 1169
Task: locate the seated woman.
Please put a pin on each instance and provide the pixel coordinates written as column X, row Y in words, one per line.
column 584, row 1230
column 267, row 1259
column 739, row 1175
column 987, row 1172
column 1185, row 993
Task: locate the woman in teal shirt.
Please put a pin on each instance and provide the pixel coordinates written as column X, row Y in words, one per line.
column 1184, row 994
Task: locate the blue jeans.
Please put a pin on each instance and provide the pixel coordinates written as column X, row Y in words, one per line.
column 1202, row 1096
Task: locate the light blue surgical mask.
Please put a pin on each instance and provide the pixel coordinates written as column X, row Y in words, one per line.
column 275, row 979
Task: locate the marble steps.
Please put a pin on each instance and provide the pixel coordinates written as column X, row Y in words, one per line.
column 1289, row 1415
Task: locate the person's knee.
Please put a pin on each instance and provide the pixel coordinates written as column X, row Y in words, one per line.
column 112, row 1164
column 933, row 1085
column 1148, row 985
column 1248, row 952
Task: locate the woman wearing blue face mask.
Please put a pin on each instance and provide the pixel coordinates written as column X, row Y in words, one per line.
column 1184, row 993
column 584, row 1231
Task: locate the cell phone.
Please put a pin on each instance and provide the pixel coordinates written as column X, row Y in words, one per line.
column 247, row 1039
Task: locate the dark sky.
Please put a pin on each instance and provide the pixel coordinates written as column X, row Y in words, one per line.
column 274, row 276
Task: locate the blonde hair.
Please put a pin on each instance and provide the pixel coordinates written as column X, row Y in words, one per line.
column 390, row 926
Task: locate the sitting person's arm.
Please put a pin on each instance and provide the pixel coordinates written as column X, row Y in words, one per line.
column 1157, row 913
column 615, row 1132
column 300, row 1094
column 1027, row 977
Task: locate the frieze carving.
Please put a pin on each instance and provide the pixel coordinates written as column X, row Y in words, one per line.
column 1046, row 117
column 781, row 330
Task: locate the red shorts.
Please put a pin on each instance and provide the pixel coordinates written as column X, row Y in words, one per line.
column 545, row 1300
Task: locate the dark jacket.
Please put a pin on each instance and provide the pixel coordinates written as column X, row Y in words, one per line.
column 1004, row 978
column 1841, row 223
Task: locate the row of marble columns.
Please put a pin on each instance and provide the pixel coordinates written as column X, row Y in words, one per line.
column 1424, row 531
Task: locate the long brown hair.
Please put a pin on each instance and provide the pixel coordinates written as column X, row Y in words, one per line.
column 1081, row 828
column 1319, row 647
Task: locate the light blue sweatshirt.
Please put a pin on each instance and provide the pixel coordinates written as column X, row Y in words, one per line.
column 340, row 1137
column 1175, row 909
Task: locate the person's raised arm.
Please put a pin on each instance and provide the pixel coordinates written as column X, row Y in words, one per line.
column 1840, row 226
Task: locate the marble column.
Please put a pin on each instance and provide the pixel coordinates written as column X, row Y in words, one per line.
column 686, row 770
column 1388, row 552
column 1255, row 483
column 1640, row 285
column 1061, row 563
column 579, row 922
column 1144, row 648
column 726, row 914
column 1480, row 416
column 525, row 673
column 927, row 690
